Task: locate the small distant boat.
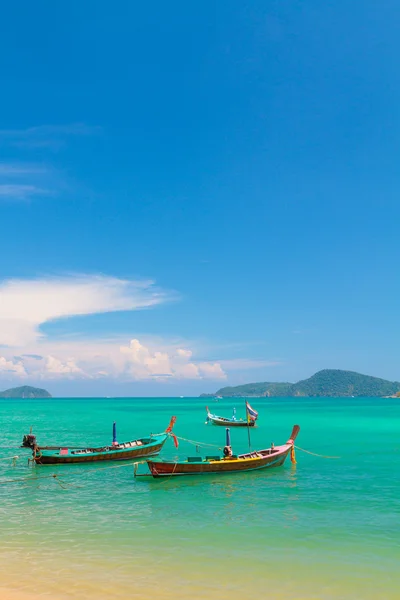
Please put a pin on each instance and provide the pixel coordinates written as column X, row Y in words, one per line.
column 139, row 448
column 274, row 456
column 250, row 421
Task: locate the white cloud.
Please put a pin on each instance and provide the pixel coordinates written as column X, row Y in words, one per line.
column 12, row 368
column 27, row 304
column 26, row 352
column 143, row 363
column 211, row 370
column 93, row 360
column 54, row 366
column 184, row 354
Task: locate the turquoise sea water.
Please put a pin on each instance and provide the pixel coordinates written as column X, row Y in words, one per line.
column 324, row 528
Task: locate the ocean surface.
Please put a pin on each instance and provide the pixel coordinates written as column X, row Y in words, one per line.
column 325, row 528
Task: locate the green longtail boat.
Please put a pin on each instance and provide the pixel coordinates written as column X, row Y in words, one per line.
column 134, row 449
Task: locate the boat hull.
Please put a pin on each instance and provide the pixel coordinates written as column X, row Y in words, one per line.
column 262, row 459
column 161, row 469
column 47, row 457
column 228, row 423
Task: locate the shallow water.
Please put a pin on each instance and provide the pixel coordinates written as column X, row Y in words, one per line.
column 324, row 528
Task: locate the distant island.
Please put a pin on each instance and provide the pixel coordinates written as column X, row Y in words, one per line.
column 328, row 382
column 25, row 391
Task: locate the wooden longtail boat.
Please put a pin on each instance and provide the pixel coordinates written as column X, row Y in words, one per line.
column 274, row 456
column 233, row 422
column 139, row 448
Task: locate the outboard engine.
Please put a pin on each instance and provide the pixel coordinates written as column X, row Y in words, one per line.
column 29, row 440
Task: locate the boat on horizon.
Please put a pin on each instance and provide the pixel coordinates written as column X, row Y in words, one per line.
column 274, row 456
column 250, row 421
column 138, row 448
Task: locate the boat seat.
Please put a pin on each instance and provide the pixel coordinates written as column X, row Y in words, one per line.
column 213, row 458
column 194, row 459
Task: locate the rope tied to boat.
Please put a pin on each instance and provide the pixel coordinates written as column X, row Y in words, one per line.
column 199, row 444
column 29, row 480
column 62, row 484
column 314, row 453
column 13, row 458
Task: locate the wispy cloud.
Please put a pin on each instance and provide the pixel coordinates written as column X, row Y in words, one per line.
column 42, row 136
column 27, row 353
column 11, row 191
column 22, row 181
column 46, row 130
column 27, row 304
column 10, row 170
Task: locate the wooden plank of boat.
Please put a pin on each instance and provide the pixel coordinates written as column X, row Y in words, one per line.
column 143, row 447
column 251, row 461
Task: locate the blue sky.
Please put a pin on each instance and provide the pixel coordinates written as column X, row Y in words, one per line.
column 217, row 182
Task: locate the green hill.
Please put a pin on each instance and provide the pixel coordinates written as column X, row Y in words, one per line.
column 254, row 389
column 329, row 382
column 25, row 391
column 333, row 382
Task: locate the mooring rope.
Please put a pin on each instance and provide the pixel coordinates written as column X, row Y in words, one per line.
column 315, row 454
column 173, row 471
column 167, row 477
column 203, row 444
column 25, row 479
column 10, row 458
column 57, row 477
